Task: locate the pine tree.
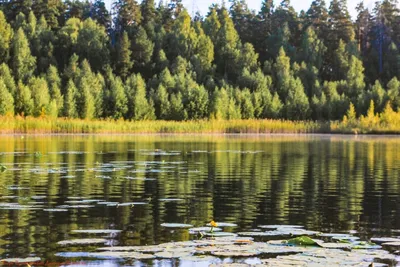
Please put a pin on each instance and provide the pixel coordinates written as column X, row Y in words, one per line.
column 124, row 62
column 340, row 24
column 312, row 49
column 148, row 10
column 127, row 14
column 23, row 63
column 52, row 11
column 100, row 14
column 142, row 48
column 317, row 17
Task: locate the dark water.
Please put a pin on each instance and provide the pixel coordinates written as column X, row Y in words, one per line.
column 327, row 183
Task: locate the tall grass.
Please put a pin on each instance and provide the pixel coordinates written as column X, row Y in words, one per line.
column 387, row 122
column 31, row 125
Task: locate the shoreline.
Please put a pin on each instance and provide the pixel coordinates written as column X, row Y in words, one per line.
column 64, row 126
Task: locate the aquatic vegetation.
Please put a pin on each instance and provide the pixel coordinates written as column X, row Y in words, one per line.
column 97, row 231
column 222, row 224
column 176, row 225
column 83, row 241
column 20, row 260
column 3, row 168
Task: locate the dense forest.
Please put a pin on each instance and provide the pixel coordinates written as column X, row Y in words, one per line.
column 147, row 60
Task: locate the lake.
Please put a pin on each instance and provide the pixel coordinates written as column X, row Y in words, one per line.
column 51, row 186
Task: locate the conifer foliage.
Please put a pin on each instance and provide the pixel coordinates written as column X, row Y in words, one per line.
column 144, row 61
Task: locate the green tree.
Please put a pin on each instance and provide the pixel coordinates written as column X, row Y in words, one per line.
column 312, row 49
column 70, row 100
column 142, row 49
column 340, row 24
column 393, row 91
column 127, row 14
column 355, row 77
column 100, row 14
column 41, row 96
column 297, row 106
column 161, row 103
column 92, row 44
column 6, row 100
column 317, row 17
column 23, row 63
column 52, row 11
column 23, row 100
column 8, row 79
column 124, row 62
column 177, row 111
column 86, row 106
column 6, row 35
column 117, row 100
column 138, row 106
column 54, row 82
column 43, row 46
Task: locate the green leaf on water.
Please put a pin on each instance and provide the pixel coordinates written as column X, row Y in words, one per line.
column 3, row 168
column 302, row 241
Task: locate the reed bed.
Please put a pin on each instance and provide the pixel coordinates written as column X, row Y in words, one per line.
column 45, row 125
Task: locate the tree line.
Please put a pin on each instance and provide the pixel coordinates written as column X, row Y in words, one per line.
column 145, row 61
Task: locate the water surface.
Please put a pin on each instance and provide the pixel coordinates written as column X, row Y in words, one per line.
column 54, row 185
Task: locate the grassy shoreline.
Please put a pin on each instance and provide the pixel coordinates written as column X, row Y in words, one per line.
column 46, row 125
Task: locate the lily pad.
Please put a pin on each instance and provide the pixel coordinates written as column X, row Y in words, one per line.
column 235, row 253
column 172, row 254
column 170, row 199
column 83, row 241
column 224, row 224
column 148, row 249
column 395, row 245
column 220, row 234
column 334, row 245
column 176, row 225
column 276, row 226
column 198, row 258
column 380, row 240
column 55, row 210
column 254, row 234
column 3, row 168
column 205, row 229
column 74, row 254
column 21, row 260
column 302, row 241
column 97, row 231
column 122, row 254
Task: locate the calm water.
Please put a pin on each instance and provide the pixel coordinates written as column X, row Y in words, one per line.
column 327, row 183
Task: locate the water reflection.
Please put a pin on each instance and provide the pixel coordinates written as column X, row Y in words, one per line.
column 328, row 183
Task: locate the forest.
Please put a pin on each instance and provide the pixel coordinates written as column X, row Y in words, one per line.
column 147, row 61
